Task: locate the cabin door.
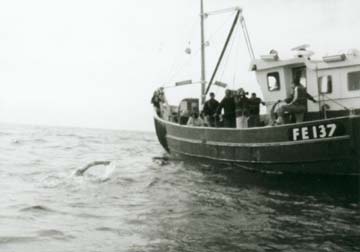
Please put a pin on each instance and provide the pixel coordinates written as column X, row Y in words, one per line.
column 301, row 72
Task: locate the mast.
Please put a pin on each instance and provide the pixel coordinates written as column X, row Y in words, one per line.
column 203, row 74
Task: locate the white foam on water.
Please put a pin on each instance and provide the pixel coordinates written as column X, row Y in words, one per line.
column 109, row 170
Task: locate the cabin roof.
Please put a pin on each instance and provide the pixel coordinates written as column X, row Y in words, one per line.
column 268, row 64
column 348, row 62
column 263, row 64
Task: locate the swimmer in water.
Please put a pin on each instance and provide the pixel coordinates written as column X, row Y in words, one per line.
column 81, row 171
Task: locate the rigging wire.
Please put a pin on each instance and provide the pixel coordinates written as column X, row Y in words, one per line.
column 336, row 102
column 227, row 57
column 247, row 38
column 222, row 11
column 182, row 65
column 176, row 68
column 223, row 51
column 175, row 65
column 220, row 27
column 237, row 54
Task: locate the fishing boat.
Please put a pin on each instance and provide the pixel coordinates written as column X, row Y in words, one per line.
column 323, row 140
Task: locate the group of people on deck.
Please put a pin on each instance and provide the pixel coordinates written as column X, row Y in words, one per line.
column 239, row 111
column 236, row 109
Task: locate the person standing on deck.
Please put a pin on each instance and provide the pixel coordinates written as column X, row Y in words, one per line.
column 241, row 109
column 210, row 109
column 298, row 104
column 254, row 110
column 155, row 100
column 164, row 106
column 228, row 104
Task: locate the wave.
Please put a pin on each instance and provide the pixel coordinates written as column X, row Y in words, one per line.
column 73, row 136
column 36, row 208
column 55, row 234
column 17, row 141
column 49, row 233
column 162, row 160
column 16, row 239
column 39, row 140
column 153, row 182
column 113, row 230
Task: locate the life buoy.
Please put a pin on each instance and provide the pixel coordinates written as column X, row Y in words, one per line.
column 273, row 115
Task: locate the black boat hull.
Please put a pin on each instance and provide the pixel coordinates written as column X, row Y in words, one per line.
column 279, row 149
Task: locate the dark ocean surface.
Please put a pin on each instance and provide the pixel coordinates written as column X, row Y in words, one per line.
column 138, row 203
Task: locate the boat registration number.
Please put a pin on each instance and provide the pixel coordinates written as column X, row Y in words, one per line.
column 314, row 132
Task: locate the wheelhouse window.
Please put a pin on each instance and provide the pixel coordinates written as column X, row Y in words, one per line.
column 273, row 81
column 354, row 81
column 325, row 84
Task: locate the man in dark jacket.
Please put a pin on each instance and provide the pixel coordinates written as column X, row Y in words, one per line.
column 210, row 109
column 228, row 104
column 254, row 110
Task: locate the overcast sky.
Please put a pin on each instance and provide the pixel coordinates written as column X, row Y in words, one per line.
column 88, row 63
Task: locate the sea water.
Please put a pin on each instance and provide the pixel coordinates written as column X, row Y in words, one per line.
column 140, row 202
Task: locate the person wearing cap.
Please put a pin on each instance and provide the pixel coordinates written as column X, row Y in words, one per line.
column 210, row 109
column 254, row 110
column 241, row 109
column 228, row 104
